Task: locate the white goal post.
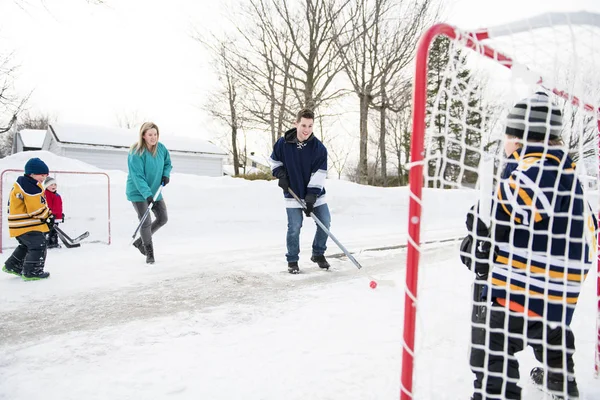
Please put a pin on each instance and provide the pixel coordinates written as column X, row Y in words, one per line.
column 459, row 113
column 86, row 204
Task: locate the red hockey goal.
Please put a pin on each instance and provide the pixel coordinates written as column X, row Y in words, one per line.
column 457, row 118
column 86, row 204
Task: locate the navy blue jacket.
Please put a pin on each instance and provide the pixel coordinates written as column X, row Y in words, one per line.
column 304, row 163
column 544, row 233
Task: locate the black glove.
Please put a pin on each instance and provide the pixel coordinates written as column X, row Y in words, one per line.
column 310, row 200
column 284, row 183
column 165, row 180
column 481, row 230
column 50, row 221
column 281, row 173
column 481, row 254
column 150, row 200
column 63, row 218
column 479, row 257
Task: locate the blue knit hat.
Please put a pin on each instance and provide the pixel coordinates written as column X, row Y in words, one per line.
column 36, row 166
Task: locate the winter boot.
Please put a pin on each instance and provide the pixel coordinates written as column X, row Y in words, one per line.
column 34, row 272
column 321, row 261
column 555, row 384
column 293, row 267
column 53, row 240
column 9, row 269
column 138, row 244
column 149, row 253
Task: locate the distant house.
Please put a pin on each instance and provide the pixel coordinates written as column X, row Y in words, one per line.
column 254, row 165
column 107, row 148
column 261, row 162
column 28, row 140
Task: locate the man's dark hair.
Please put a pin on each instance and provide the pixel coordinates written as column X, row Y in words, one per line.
column 305, row 113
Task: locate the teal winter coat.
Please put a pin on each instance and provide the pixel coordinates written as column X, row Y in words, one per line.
column 146, row 172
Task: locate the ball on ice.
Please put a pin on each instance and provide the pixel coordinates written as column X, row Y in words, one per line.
column 373, row 284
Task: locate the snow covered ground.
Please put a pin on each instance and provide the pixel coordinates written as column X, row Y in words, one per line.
column 218, row 316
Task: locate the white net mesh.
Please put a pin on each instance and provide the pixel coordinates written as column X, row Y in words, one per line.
column 540, row 247
column 85, row 198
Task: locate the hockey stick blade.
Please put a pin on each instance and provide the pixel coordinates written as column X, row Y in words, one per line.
column 66, row 242
column 74, row 241
column 79, row 238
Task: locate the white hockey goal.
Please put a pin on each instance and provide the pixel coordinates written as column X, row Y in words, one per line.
column 86, row 204
column 464, row 86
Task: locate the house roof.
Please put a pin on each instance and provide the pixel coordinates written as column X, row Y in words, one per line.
column 33, row 138
column 78, row 134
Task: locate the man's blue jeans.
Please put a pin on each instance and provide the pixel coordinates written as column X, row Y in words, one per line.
column 295, row 218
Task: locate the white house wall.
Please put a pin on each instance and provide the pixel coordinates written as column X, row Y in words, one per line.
column 18, row 147
column 52, row 146
column 197, row 164
column 99, row 157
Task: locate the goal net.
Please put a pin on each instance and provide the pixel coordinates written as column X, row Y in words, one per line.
column 86, row 205
column 520, row 88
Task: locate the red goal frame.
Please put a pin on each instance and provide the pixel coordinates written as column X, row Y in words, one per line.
column 53, row 172
column 472, row 40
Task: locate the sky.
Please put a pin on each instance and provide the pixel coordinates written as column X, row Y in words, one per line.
column 218, row 316
column 90, row 64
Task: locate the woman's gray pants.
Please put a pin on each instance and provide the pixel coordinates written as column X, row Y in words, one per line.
column 149, row 227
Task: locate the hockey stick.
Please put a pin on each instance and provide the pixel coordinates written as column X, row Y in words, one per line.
column 341, row 246
column 65, row 241
column 482, row 211
column 74, row 241
column 146, row 213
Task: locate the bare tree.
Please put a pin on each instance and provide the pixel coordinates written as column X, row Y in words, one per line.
column 400, row 123
column 374, row 49
column 290, row 59
column 580, row 132
column 224, row 104
column 10, row 103
column 28, row 120
column 129, row 119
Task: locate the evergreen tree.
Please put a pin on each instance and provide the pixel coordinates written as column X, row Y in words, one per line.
column 454, row 129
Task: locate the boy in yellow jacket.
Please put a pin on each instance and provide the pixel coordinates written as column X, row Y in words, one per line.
column 29, row 218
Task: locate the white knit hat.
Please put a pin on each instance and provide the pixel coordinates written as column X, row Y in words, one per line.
column 49, row 181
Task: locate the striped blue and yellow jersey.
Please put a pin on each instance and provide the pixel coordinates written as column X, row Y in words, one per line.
column 27, row 208
column 544, row 233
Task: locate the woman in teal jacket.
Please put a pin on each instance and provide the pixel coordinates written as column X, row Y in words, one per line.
column 149, row 165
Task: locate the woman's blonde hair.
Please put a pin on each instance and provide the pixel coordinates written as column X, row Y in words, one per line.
column 140, row 146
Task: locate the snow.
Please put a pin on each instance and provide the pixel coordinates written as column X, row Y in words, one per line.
column 120, row 137
column 33, row 137
column 218, row 317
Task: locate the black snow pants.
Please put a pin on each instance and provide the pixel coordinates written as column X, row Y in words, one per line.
column 501, row 373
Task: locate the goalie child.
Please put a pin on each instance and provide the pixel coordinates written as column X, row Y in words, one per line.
column 542, row 233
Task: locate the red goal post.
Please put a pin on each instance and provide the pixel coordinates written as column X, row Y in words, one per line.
column 482, row 42
column 86, row 203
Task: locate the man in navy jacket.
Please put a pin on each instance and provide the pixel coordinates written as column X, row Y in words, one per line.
column 299, row 161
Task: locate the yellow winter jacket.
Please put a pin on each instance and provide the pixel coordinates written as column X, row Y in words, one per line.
column 27, row 208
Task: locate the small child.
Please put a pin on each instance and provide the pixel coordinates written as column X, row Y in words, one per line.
column 541, row 237
column 29, row 218
column 55, row 204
